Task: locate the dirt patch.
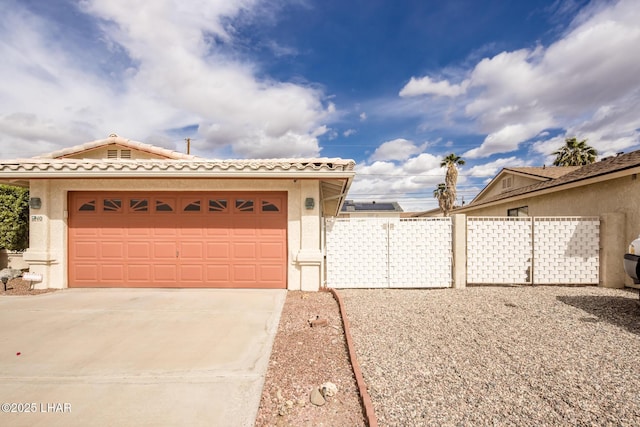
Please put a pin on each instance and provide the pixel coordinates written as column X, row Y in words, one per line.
column 18, row 286
column 305, row 357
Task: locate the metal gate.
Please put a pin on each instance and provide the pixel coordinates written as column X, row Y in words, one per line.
column 388, row 253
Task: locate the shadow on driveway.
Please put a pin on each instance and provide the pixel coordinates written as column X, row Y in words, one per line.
column 623, row 312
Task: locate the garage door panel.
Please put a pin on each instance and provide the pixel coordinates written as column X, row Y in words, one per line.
column 245, row 273
column 140, row 273
column 112, row 232
column 165, row 250
column 139, row 250
column 218, row 273
column 244, row 250
column 165, row 273
column 86, row 273
column 139, row 231
column 271, row 250
column 191, row 250
column 111, row 250
column 88, row 250
column 218, row 250
column 178, row 239
column 271, row 273
column 192, row 273
column 113, row 273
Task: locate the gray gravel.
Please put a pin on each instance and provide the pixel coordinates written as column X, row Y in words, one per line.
column 499, row 355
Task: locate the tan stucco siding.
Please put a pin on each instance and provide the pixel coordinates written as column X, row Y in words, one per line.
column 48, row 228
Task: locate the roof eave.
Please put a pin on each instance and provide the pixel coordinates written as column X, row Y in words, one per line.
column 553, row 189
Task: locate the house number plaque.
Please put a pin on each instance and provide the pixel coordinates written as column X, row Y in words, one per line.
column 36, row 218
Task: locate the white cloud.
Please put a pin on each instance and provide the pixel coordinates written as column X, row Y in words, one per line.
column 409, row 181
column 492, row 168
column 347, row 133
column 180, row 75
column 426, row 86
column 363, row 116
column 586, row 83
column 398, row 149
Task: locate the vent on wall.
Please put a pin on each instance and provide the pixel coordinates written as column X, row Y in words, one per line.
column 113, row 154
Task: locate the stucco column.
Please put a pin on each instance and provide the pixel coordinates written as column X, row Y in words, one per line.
column 459, row 237
column 309, row 258
column 38, row 256
column 612, row 249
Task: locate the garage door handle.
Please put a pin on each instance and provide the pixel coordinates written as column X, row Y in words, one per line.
column 177, row 254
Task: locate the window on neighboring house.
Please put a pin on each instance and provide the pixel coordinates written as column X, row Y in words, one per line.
column 125, row 154
column 521, row 211
column 112, row 154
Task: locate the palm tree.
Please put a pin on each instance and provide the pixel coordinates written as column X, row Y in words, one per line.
column 575, row 153
column 442, row 195
column 451, row 162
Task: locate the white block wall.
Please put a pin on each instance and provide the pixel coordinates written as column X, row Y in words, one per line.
column 499, row 250
column 420, row 253
column 566, row 250
column 356, row 251
column 380, row 253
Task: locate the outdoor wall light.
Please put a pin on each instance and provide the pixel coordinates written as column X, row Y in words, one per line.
column 35, row 203
column 309, row 203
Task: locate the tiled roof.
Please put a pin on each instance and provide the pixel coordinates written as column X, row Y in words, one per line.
column 544, row 172
column 603, row 167
column 115, row 139
column 38, row 166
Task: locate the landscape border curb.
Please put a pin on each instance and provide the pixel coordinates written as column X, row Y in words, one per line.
column 369, row 412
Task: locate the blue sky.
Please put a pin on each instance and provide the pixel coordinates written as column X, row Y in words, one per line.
column 394, row 85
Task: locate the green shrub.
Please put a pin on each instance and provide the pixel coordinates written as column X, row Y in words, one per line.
column 14, row 218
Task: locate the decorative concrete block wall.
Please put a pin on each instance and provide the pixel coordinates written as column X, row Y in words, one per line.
column 499, row 250
column 566, row 250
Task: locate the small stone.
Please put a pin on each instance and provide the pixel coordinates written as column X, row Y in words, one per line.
column 289, row 403
column 302, row 402
column 329, row 389
column 319, row 322
column 279, row 395
column 316, row 397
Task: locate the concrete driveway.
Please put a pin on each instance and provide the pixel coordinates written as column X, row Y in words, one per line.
column 136, row 357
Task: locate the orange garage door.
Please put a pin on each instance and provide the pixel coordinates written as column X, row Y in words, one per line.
column 177, row 239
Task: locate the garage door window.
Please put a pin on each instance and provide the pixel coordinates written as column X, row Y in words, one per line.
column 191, row 206
column 164, row 206
column 88, row 206
column 139, row 205
column 112, row 205
column 244, row 205
column 217, row 205
column 269, row 206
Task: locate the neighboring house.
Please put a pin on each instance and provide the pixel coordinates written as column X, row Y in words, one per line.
column 353, row 209
column 609, row 189
column 119, row 213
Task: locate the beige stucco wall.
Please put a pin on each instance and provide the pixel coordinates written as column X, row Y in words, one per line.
column 47, row 253
column 617, row 196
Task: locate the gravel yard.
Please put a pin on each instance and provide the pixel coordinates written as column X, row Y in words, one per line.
column 499, row 355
